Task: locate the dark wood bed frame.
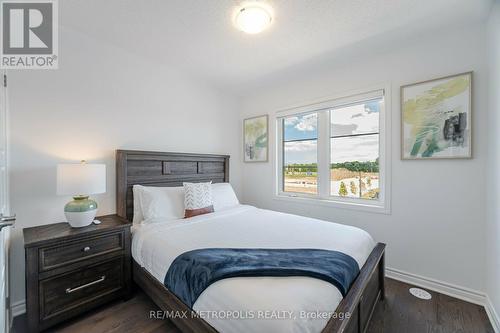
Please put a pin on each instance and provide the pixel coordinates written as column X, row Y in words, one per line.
column 148, row 168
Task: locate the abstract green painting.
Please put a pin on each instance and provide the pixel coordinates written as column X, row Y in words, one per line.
column 436, row 118
column 255, row 139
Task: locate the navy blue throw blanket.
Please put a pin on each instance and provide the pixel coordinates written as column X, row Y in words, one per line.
column 193, row 271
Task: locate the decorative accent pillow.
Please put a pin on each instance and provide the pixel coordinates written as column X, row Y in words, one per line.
column 197, row 199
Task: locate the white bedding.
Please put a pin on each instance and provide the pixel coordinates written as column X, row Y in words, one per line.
column 260, row 304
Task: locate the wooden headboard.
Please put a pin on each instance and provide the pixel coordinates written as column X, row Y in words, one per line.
column 151, row 168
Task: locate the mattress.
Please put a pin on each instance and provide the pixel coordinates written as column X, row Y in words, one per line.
column 254, row 304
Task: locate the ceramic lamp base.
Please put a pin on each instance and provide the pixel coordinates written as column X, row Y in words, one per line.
column 80, row 212
column 80, row 219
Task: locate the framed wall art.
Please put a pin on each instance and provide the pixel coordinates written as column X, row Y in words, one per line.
column 255, row 139
column 436, row 118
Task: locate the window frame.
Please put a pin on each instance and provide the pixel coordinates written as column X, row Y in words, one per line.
column 323, row 196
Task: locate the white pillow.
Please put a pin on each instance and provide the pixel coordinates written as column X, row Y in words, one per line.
column 165, row 203
column 137, row 193
column 223, row 196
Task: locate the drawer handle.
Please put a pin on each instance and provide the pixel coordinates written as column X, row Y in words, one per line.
column 70, row 290
column 86, row 249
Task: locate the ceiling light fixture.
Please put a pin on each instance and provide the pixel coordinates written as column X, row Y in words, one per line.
column 253, row 17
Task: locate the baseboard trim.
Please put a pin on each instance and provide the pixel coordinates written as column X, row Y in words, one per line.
column 493, row 315
column 446, row 288
column 465, row 294
column 18, row 308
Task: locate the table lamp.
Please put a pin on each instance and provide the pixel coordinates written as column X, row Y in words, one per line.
column 80, row 180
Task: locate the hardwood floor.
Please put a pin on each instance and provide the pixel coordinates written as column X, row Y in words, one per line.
column 400, row 312
column 131, row 316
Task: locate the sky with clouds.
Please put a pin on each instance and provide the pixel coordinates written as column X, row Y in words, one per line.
column 301, row 127
column 354, row 119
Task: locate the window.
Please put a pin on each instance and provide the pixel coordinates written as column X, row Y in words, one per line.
column 333, row 151
column 300, row 158
column 354, row 150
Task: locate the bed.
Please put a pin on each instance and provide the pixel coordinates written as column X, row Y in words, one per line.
column 293, row 304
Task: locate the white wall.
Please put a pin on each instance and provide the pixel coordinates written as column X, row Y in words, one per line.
column 437, row 225
column 101, row 99
column 493, row 193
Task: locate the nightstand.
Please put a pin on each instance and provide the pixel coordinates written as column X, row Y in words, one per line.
column 72, row 270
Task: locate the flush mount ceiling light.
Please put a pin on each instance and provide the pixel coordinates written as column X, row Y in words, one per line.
column 253, row 17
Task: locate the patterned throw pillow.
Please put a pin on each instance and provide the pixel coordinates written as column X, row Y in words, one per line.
column 197, row 199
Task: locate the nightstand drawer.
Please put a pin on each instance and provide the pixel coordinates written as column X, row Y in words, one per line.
column 59, row 255
column 74, row 290
column 73, row 270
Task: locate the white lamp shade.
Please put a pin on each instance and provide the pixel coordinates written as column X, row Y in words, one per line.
column 81, row 179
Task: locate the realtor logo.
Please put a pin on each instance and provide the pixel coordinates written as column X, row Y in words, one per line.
column 29, row 34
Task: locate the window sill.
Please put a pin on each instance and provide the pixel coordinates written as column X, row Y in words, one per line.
column 359, row 206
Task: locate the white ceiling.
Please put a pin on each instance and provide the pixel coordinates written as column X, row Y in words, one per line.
column 198, row 35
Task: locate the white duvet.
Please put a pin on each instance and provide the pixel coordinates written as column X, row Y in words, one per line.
column 254, row 304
